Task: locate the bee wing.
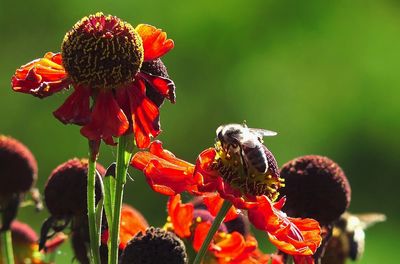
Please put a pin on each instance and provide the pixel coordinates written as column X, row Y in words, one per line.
column 369, row 219
column 263, row 132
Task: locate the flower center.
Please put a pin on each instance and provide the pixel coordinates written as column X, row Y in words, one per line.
column 102, row 52
column 231, row 166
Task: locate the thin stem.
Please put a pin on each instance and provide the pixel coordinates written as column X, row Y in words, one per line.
column 214, row 227
column 6, row 247
column 91, row 206
column 124, row 154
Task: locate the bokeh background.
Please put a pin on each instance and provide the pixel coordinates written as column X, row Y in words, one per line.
column 324, row 74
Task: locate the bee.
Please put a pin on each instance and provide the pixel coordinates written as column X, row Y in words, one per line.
column 348, row 237
column 248, row 142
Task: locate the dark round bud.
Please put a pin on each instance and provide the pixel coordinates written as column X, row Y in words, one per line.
column 18, row 167
column 102, row 52
column 65, row 192
column 315, row 187
column 153, row 247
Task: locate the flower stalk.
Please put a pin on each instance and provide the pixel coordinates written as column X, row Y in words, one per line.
column 94, row 233
column 6, row 247
column 124, row 154
column 214, row 227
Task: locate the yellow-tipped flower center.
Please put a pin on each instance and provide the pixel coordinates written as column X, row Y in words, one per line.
column 102, row 52
column 232, row 169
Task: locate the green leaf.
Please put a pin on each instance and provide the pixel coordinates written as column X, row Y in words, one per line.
column 109, row 193
column 99, row 215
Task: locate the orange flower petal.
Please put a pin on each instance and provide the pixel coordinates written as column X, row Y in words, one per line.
column 164, row 172
column 107, row 118
column 293, row 236
column 214, row 202
column 231, row 246
column 41, row 77
column 76, row 109
column 181, row 215
column 200, row 234
column 155, row 42
column 132, row 222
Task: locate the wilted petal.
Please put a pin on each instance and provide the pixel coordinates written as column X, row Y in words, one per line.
column 76, row 109
column 107, row 119
column 165, row 86
column 41, row 77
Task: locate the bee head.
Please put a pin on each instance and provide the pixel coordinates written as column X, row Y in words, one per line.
column 230, row 134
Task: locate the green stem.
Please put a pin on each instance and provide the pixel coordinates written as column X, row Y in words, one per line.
column 214, row 227
column 91, row 205
column 124, row 154
column 6, row 247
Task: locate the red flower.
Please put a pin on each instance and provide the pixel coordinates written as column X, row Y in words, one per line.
column 185, row 222
column 166, row 172
column 117, row 66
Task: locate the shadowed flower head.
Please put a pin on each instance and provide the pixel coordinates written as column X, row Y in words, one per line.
column 18, row 174
column 154, row 246
column 315, row 187
column 66, row 188
column 118, row 78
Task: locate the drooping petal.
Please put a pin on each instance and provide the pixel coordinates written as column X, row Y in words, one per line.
column 41, row 77
column 214, row 202
column 155, row 42
column 164, row 172
column 107, row 118
column 181, row 216
column 165, row 86
column 144, row 114
column 76, row 109
column 293, row 236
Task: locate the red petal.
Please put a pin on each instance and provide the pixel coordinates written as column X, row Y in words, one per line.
column 107, row 118
column 181, row 215
column 55, row 242
column 164, row 86
column 303, row 259
column 291, row 235
column 214, row 203
column 132, row 222
column 231, row 246
column 200, row 234
column 155, row 42
column 76, row 109
column 144, row 113
column 164, row 172
column 41, row 77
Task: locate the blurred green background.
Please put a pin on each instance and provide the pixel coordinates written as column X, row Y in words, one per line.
column 324, row 74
